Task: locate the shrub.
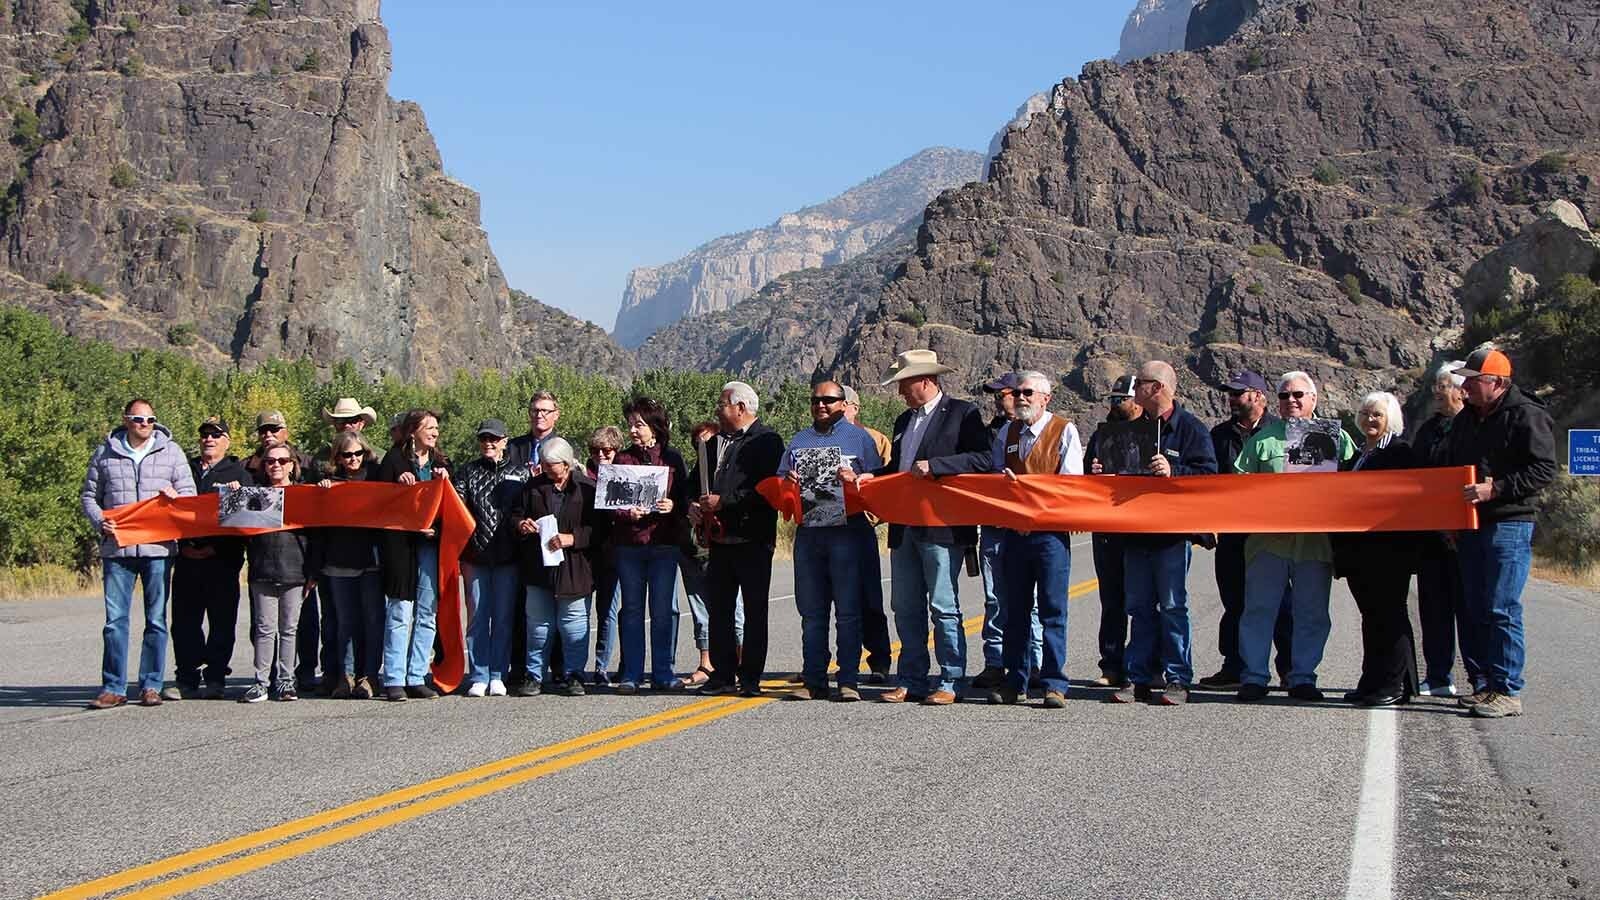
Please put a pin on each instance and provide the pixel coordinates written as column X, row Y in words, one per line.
column 259, row 9
column 1254, row 60
column 78, row 32
column 181, row 334
column 991, row 249
column 914, row 317
column 258, row 216
column 91, row 287
column 1567, row 531
column 130, row 24
column 1471, row 189
column 1351, row 285
column 1551, row 163
column 61, row 283
column 1266, row 251
column 25, row 129
column 181, row 225
column 1209, row 336
column 1058, row 277
column 311, row 63
column 1255, row 289
column 185, row 9
column 132, row 67
column 123, row 176
column 983, row 267
column 432, row 208
column 1326, row 173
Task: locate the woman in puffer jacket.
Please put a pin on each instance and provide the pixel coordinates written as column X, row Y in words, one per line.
column 489, row 486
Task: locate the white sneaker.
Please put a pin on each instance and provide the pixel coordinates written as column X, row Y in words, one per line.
column 478, row 689
column 497, row 688
column 1437, row 690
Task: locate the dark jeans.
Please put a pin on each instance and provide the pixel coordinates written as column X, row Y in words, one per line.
column 204, row 591
column 874, row 621
column 1439, row 600
column 361, row 611
column 731, row 570
column 1036, row 565
column 1113, row 603
column 307, row 641
column 1388, row 648
column 1230, row 584
column 827, row 577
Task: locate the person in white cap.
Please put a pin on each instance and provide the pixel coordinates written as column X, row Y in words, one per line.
column 936, row 435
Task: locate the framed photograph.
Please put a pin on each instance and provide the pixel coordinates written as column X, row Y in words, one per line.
column 250, row 507
column 821, row 492
column 1311, row 445
column 629, row 487
column 1125, row 448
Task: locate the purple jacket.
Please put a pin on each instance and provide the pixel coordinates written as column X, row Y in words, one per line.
column 114, row 480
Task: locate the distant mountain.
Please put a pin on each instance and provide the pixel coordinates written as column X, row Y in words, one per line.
column 1155, row 26
column 721, row 273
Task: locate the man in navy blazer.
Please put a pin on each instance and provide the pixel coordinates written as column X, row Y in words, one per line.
column 936, row 435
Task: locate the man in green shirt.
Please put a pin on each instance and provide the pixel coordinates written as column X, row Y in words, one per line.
column 1300, row 563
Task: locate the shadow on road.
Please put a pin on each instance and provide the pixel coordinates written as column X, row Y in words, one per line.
column 60, row 696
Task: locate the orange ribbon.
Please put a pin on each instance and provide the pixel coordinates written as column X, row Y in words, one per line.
column 358, row 504
column 1391, row 500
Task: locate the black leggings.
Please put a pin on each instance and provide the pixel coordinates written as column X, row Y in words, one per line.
column 1389, row 653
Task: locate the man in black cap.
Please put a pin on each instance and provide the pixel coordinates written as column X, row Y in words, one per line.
column 1004, row 390
column 1120, row 407
column 1247, row 401
column 205, row 580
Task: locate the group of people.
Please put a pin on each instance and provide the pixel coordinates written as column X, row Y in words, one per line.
column 544, row 567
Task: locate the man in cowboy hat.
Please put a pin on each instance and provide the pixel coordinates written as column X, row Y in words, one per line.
column 349, row 415
column 936, row 435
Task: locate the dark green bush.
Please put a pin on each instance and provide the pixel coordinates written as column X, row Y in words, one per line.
column 1567, row 531
column 1267, row 251
column 914, row 317
column 123, row 176
column 258, row 216
column 1326, row 173
column 181, row 334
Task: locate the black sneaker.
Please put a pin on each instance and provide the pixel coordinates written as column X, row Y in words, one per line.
column 573, row 687
column 1221, row 681
column 1004, row 693
column 1250, row 693
column 1130, row 693
column 1306, row 692
column 421, row 692
column 394, row 694
column 716, row 687
column 529, row 688
column 256, row 694
column 1174, row 694
column 750, row 690
column 990, row 677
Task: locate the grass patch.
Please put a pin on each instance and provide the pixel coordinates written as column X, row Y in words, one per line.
column 914, row 317
column 182, row 335
column 258, row 216
column 1267, row 251
column 46, row 582
column 1551, row 163
column 123, row 176
column 260, row 9
column 311, row 63
column 1351, row 285
column 1254, row 289
column 1327, row 174
column 983, row 268
column 432, row 208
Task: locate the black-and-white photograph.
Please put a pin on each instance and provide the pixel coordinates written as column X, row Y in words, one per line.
column 1125, row 448
column 1311, row 445
column 821, row 492
column 629, row 487
column 250, row 507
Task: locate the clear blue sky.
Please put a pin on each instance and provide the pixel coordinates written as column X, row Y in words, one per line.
column 604, row 136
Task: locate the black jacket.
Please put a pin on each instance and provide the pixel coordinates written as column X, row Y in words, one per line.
column 1514, row 445
column 1432, row 443
column 227, row 469
column 1188, row 447
column 955, row 442
column 346, row 548
column 281, row 557
column 574, row 577
column 1377, row 551
column 489, row 489
column 397, row 550
column 751, row 457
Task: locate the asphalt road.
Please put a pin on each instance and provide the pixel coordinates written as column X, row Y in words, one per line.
column 611, row 796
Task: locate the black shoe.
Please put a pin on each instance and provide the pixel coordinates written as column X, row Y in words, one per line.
column 396, row 694
column 750, row 690
column 716, row 687
column 421, row 692
column 1357, row 697
column 1221, row 681
column 1306, row 692
column 879, row 676
column 990, row 677
column 1250, row 693
column 1004, row 693
column 1035, row 683
column 528, row 689
column 1385, row 699
column 573, row 688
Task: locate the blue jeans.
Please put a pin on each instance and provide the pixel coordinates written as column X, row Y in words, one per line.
column 118, row 575
column 1157, row 600
column 1038, row 576
column 649, row 577
column 994, row 606
column 1308, row 582
column 491, row 600
column 828, row 570
column 569, row 616
column 607, row 598
column 694, row 589
column 359, row 601
column 410, row 626
column 1494, row 569
column 923, row 584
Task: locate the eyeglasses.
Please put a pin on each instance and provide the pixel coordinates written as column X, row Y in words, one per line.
column 1028, row 392
column 269, row 429
column 140, row 420
column 278, row 460
column 1284, row 395
column 352, row 454
column 490, row 438
column 210, row 435
column 543, row 412
column 827, row 401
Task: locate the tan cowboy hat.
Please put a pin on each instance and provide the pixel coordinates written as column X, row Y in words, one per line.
column 913, row 363
column 349, row 408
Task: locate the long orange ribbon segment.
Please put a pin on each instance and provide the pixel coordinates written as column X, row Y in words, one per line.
column 1392, row 500
column 392, row 507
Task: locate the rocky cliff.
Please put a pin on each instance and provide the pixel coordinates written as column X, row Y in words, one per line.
column 232, row 177
column 1307, row 194
column 725, row 271
column 1154, row 26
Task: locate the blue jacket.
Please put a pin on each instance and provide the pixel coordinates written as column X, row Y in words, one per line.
column 1186, row 443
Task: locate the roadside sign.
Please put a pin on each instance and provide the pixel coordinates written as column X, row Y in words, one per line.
column 1583, row 451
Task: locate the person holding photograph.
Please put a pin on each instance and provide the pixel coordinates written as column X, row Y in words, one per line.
column 280, row 575
column 345, row 561
column 604, row 442
column 558, row 593
column 829, row 555
column 646, row 541
column 410, row 563
column 489, row 486
column 1299, row 563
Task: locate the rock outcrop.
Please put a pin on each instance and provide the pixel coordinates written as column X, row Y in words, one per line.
column 233, row 178
column 721, row 273
column 1557, row 243
column 1154, row 26
column 1307, row 194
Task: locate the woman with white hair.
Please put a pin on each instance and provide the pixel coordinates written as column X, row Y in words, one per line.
column 558, row 595
column 1378, row 566
column 1439, row 597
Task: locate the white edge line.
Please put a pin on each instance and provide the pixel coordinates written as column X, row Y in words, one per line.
column 1372, row 850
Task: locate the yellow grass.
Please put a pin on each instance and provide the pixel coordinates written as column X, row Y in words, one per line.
column 1560, row 573
column 46, row 583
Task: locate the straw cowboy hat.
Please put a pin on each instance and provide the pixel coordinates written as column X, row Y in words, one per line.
column 349, row 408
column 914, row 363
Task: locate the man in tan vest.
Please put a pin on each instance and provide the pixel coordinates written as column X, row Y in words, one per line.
column 1036, row 562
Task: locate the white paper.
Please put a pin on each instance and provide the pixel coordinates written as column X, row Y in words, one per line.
column 547, row 530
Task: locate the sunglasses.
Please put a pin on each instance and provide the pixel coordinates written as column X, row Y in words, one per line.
column 352, row 454
column 278, row 460
column 210, row 435
column 490, row 438
column 269, row 429
column 1236, row 393
column 141, row 420
column 602, row 450
column 827, row 401
column 1028, row 392
column 1284, row 395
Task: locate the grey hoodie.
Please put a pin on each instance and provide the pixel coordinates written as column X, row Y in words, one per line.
column 115, row 480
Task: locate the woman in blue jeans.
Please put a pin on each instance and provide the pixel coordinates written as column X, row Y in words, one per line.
column 411, row 565
column 489, row 486
column 346, row 563
column 558, row 594
column 646, row 542
column 604, row 443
